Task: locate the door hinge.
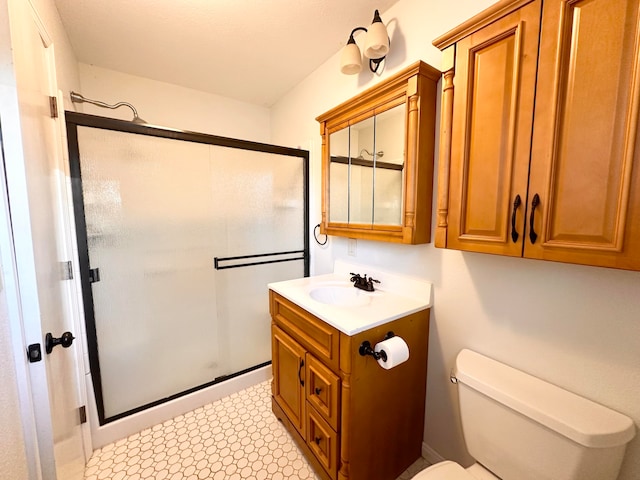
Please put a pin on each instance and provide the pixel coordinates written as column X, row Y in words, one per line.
column 53, row 106
column 94, row 275
column 66, row 270
column 82, row 411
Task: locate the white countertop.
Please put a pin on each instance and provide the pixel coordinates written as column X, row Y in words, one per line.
column 395, row 296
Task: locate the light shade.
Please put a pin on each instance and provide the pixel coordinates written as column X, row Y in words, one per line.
column 377, row 41
column 351, row 59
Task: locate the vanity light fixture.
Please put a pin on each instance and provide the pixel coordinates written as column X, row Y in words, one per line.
column 376, row 47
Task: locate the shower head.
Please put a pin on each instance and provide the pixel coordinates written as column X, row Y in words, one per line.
column 78, row 98
column 379, row 154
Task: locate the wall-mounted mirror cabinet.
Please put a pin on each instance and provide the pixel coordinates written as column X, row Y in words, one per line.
column 377, row 160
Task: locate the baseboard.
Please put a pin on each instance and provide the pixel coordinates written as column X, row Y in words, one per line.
column 430, row 455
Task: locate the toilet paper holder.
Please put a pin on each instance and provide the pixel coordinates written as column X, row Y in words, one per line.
column 366, row 348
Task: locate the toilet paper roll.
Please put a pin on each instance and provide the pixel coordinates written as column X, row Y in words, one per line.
column 396, row 350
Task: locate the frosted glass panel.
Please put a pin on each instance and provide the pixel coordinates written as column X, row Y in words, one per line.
column 149, row 232
column 157, row 212
column 243, row 312
column 258, row 201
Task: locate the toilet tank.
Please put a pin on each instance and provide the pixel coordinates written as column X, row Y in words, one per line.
column 522, row 428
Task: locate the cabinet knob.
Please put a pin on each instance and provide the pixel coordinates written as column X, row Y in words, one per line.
column 318, row 390
column 318, row 440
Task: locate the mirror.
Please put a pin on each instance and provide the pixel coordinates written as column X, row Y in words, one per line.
column 366, row 170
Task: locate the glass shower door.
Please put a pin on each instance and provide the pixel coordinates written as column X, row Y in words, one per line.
column 149, row 218
column 157, row 212
column 259, row 197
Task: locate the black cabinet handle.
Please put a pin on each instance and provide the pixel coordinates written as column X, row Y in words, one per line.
column 317, row 440
column 318, row 390
column 299, row 371
column 533, row 236
column 514, row 233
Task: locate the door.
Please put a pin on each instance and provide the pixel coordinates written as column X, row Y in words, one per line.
column 288, row 377
column 35, row 186
column 495, row 75
column 585, row 135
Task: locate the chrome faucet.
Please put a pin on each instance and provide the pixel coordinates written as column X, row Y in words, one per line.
column 363, row 283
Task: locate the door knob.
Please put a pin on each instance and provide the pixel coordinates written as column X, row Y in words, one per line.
column 65, row 340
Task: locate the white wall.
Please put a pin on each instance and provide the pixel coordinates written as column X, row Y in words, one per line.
column 574, row 326
column 67, row 74
column 172, row 106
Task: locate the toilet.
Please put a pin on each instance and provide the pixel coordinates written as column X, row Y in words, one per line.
column 518, row 427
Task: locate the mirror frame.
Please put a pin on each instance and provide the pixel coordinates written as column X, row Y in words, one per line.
column 416, row 87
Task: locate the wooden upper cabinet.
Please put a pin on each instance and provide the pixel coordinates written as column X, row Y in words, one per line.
column 377, row 160
column 539, row 132
column 584, row 161
column 494, row 86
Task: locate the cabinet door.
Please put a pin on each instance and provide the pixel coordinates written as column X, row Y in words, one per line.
column 288, row 377
column 494, row 86
column 584, row 164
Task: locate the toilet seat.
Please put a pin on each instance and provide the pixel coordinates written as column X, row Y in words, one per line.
column 446, row 470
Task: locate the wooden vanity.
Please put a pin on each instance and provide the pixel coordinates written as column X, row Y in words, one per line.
column 352, row 418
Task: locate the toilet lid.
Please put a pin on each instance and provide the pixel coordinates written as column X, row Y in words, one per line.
column 444, row 471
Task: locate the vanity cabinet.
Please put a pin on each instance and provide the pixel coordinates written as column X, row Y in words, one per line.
column 377, row 160
column 351, row 418
column 539, row 132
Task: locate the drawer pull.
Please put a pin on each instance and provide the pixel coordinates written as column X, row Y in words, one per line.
column 514, row 233
column 300, row 371
column 318, row 440
column 533, row 236
column 318, row 390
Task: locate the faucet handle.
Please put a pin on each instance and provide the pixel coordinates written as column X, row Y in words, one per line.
column 369, row 284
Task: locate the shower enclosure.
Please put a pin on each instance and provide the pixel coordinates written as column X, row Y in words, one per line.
column 178, row 235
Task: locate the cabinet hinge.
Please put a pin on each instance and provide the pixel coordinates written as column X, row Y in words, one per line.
column 53, row 106
column 66, row 270
column 82, row 411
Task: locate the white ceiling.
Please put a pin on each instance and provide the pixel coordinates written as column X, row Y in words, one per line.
column 250, row 50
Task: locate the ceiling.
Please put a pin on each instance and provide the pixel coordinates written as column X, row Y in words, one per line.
column 250, row 50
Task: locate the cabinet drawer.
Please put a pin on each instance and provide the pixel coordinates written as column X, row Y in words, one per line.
column 323, row 441
column 323, row 391
column 315, row 335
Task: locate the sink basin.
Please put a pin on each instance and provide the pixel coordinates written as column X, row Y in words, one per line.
column 340, row 295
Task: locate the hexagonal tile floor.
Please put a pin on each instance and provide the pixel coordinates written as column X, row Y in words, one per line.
column 237, row 437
